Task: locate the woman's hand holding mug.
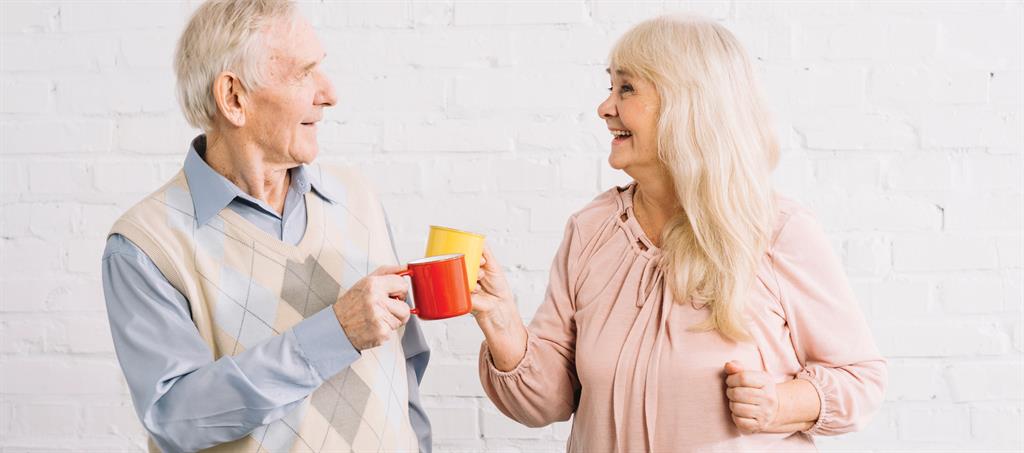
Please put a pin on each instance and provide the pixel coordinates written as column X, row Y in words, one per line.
column 495, row 311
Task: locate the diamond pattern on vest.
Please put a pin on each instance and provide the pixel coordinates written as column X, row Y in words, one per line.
column 342, row 400
column 307, row 286
column 255, row 290
column 282, row 434
column 245, row 309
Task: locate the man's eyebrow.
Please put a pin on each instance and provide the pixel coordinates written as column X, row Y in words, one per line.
column 313, row 64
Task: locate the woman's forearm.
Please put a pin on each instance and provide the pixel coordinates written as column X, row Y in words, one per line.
column 506, row 338
column 799, row 406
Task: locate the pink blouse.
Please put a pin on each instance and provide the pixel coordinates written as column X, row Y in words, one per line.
column 611, row 348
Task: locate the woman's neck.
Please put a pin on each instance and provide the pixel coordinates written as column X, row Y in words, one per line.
column 655, row 203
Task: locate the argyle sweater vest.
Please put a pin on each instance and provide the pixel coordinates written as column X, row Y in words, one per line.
column 244, row 286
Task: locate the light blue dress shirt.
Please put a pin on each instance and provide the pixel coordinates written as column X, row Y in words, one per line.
column 185, row 399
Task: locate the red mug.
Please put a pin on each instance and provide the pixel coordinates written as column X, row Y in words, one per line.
column 439, row 286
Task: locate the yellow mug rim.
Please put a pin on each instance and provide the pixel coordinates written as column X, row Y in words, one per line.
column 459, row 231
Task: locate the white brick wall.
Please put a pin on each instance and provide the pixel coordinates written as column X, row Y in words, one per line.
column 901, row 124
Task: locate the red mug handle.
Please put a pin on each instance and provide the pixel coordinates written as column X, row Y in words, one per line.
column 408, row 273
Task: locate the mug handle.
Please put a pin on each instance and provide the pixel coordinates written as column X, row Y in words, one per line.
column 408, row 273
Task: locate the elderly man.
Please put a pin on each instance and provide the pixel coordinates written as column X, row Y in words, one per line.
column 242, row 295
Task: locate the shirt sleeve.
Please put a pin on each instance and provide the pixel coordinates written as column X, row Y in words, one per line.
column 186, row 400
column 830, row 335
column 543, row 388
column 417, row 354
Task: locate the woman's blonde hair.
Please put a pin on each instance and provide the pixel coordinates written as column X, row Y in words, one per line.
column 716, row 139
column 223, row 35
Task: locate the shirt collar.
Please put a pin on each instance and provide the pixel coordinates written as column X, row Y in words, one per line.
column 212, row 192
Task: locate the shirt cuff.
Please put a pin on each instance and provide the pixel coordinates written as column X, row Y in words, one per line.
column 323, row 343
column 824, row 413
column 524, row 364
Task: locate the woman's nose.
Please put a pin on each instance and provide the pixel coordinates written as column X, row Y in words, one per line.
column 607, row 109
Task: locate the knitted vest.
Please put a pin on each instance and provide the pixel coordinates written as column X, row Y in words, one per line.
column 244, row 286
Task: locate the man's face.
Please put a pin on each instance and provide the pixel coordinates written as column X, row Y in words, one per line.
column 283, row 113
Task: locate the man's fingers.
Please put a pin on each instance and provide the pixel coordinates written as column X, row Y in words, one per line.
column 399, row 310
column 390, row 323
column 389, row 284
column 387, row 270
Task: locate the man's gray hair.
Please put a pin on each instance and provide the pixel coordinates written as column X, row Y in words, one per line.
column 223, row 35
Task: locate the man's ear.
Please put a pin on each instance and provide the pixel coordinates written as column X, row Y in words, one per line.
column 231, row 97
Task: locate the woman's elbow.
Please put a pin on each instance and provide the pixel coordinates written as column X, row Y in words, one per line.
column 542, row 418
column 855, row 406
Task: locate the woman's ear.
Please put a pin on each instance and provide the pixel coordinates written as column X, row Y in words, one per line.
column 231, row 97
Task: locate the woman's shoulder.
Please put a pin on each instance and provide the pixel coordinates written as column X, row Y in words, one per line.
column 605, row 207
column 796, row 227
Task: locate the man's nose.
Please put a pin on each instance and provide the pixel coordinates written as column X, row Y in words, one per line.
column 326, row 95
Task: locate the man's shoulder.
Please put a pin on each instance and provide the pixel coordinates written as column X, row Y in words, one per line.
column 171, row 202
column 342, row 183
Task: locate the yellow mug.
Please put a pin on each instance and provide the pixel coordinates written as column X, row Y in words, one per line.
column 445, row 241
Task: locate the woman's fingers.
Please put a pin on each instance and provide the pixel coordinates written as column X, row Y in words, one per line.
column 745, row 410
column 745, row 395
column 746, row 425
column 754, row 379
column 491, row 277
column 488, row 262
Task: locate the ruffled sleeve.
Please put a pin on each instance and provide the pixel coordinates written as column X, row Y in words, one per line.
column 544, row 387
column 829, row 333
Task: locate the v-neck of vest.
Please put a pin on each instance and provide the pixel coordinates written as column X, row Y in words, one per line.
column 312, row 237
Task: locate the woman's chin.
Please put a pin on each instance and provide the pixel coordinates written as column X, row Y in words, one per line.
column 617, row 162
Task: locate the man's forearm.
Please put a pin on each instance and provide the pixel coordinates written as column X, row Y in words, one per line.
column 184, row 398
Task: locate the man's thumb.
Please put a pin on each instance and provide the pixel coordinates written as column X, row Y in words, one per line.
column 733, row 367
column 388, row 270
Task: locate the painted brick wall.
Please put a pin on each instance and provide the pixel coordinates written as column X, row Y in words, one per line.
column 901, row 124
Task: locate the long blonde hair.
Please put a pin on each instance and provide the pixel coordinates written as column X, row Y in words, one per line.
column 716, row 140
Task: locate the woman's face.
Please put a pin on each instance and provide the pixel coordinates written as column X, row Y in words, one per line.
column 631, row 112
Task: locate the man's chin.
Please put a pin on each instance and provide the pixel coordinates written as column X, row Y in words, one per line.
column 306, row 156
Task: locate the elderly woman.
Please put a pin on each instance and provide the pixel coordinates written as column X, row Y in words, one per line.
column 693, row 309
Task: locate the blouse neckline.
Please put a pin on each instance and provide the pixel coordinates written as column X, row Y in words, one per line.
column 626, row 218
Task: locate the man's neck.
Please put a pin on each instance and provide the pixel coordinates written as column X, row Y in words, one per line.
column 244, row 165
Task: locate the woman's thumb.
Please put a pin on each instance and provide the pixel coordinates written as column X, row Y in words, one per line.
column 733, row 367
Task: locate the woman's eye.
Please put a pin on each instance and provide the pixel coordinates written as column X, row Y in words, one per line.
column 625, row 88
